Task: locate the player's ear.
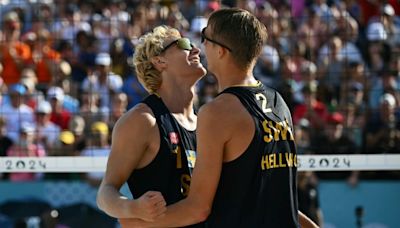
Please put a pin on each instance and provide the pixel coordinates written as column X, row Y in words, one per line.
column 222, row 52
column 158, row 62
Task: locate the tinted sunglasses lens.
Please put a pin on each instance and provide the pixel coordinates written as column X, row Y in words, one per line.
column 184, row 44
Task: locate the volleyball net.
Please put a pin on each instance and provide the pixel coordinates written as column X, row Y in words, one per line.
column 80, row 164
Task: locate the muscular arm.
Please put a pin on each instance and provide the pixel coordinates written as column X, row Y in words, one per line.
column 210, row 146
column 130, row 142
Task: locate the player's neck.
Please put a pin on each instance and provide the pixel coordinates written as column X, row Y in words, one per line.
column 238, row 78
column 229, row 74
column 179, row 99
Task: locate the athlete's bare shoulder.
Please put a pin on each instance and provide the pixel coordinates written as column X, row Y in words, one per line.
column 224, row 112
column 139, row 118
column 225, row 105
column 135, row 135
column 132, row 140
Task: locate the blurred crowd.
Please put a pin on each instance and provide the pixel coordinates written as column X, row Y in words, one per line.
column 67, row 75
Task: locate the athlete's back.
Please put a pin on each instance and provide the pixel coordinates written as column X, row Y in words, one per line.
column 258, row 188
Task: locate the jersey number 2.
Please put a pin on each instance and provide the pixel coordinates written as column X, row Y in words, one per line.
column 261, row 97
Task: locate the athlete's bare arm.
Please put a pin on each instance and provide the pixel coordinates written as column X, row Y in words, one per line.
column 217, row 129
column 135, row 141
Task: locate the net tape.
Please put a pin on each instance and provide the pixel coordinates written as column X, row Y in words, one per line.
column 81, row 164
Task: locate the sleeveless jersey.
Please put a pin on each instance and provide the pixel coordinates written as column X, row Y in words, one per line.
column 258, row 189
column 170, row 171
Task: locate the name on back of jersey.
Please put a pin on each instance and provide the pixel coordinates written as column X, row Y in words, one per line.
column 273, row 133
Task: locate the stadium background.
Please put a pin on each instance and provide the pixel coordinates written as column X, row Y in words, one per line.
column 66, row 77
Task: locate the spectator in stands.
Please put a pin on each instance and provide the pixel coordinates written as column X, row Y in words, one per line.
column 90, row 110
column 294, row 62
column 197, row 25
column 354, row 108
column 134, row 90
column 65, row 146
column 268, row 64
column 281, row 27
column 302, row 134
column 82, row 58
column 47, row 132
column 356, row 72
column 119, row 58
column 16, row 112
column 60, row 116
column 351, row 91
column 311, row 109
column 77, row 127
column 334, row 141
column 44, row 18
column 29, row 80
column 347, row 29
column 207, row 91
column 45, row 59
column 102, row 31
column 378, row 51
column 98, row 145
column 388, row 19
column 119, row 107
column 322, row 8
column 313, row 31
column 330, row 65
column 385, row 83
column 308, row 74
column 188, row 9
column 62, row 72
column 69, row 24
column 14, row 54
column 70, row 102
column 26, row 147
column 308, row 197
column 173, row 17
column 383, row 132
column 103, row 81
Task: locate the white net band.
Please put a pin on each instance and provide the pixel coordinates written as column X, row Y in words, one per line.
column 304, row 163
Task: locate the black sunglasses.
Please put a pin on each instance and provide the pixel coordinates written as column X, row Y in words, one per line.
column 204, row 37
column 182, row 43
